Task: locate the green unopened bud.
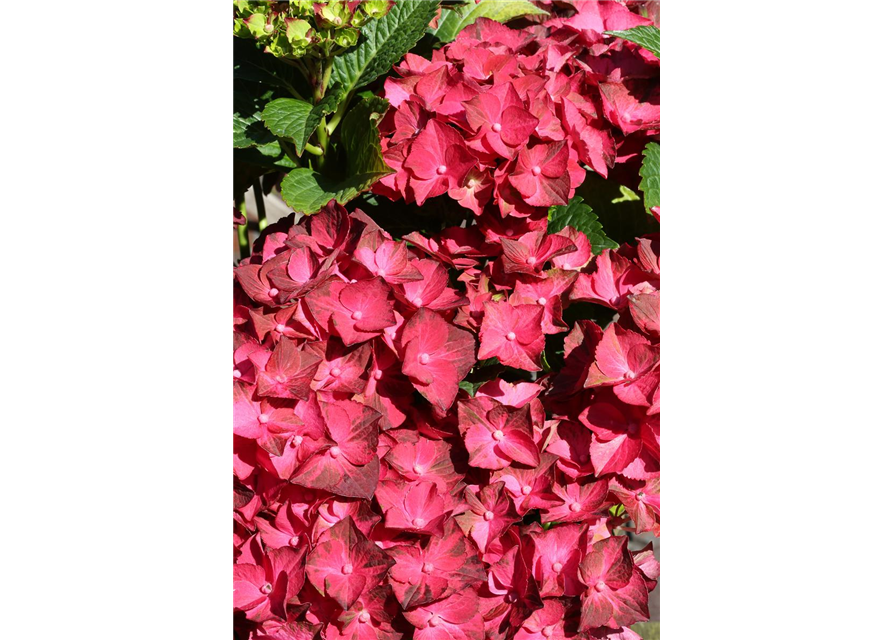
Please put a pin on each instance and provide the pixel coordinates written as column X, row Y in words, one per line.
column 375, row 9
column 336, row 13
column 306, row 26
column 346, row 37
column 331, row 17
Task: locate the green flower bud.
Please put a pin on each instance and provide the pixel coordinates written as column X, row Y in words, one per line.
column 336, row 13
column 375, row 9
column 346, row 37
column 296, row 31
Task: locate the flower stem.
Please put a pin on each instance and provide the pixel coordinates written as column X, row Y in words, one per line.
column 242, row 232
column 325, row 75
column 322, row 135
column 339, row 113
column 319, row 92
column 259, row 203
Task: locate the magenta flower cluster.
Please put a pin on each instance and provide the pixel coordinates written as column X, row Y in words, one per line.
column 406, row 463
column 514, row 116
column 375, row 497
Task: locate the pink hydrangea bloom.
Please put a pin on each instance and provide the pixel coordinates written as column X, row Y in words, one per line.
column 345, row 563
column 412, row 455
column 616, row 594
column 513, row 334
column 496, row 435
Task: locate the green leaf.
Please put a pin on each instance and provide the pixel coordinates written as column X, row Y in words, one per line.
column 296, row 119
column 382, row 43
column 291, row 118
column 579, row 215
column 452, row 22
column 471, row 388
column 248, row 126
column 448, row 25
column 359, row 135
column 307, row 192
column 645, row 36
column 616, row 510
column 650, row 173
